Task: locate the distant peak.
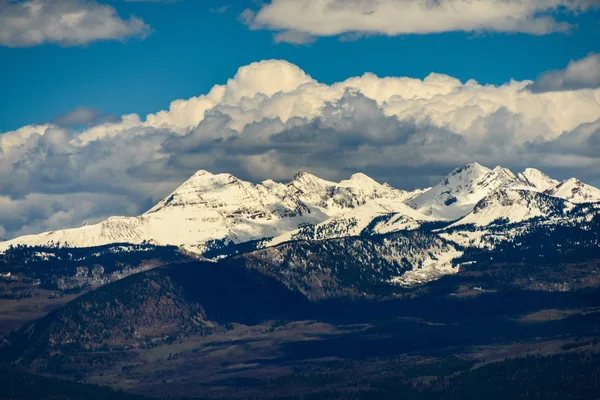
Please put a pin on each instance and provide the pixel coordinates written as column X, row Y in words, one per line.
column 504, row 171
column 564, row 184
column 309, row 183
column 537, row 179
column 268, row 182
column 205, row 175
column 572, row 181
column 361, row 181
column 576, row 191
column 202, row 172
column 474, row 165
column 471, row 168
column 359, row 176
column 303, row 175
column 204, row 181
column 533, row 171
column 308, row 177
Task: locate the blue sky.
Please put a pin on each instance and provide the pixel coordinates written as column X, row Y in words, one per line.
column 106, row 106
column 191, row 49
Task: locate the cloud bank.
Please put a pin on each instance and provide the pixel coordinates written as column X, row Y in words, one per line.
column 579, row 74
column 64, row 22
column 272, row 120
column 294, row 20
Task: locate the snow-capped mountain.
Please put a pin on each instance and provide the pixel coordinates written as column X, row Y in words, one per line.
column 371, row 218
column 507, row 213
column 220, row 207
column 510, row 206
column 209, row 211
column 537, row 179
column 334, row 198
column 575, row 191
column 458, row 193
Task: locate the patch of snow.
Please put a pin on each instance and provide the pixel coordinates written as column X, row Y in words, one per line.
column 434, row 266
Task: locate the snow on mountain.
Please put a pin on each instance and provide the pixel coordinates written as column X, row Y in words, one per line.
column 206, row 207
column 212, row 211
column 458, row 193
column 508, row 213
column 220, row 207
column 433, row 266
column 575, row 191
column 334, row 198
column 415, row 193
column 370, row 218
column 396, row 221
column 509, row 206
column 318, row 268
column 537, row 179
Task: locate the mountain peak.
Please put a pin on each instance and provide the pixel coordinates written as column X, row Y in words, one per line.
column 205, row 176
column 304, row 175
column 537, row 179
column 474, row 164
column 362, row 182
column 572, row 182
column 504, row 171
column 497, row 178
column 359, row 176
column 533, row 172
column 471, row 168
column 309, row 183
column 456, row 195
column 575, row 191
column 269, row 183
column 191, row 192
column 513, row 205
column 201, row 172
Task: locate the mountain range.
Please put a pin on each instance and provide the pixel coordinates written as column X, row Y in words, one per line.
column 216, row 215
column 227, row 288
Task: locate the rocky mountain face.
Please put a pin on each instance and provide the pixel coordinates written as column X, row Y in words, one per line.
column 356, row 266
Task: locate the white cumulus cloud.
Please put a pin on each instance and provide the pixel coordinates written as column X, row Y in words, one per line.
column 300, row 20
column 65, row 22
column 271, row 120
column 579, row 74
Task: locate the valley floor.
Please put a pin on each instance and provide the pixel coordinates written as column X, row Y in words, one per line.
column 374, row 351
column 254, row 362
